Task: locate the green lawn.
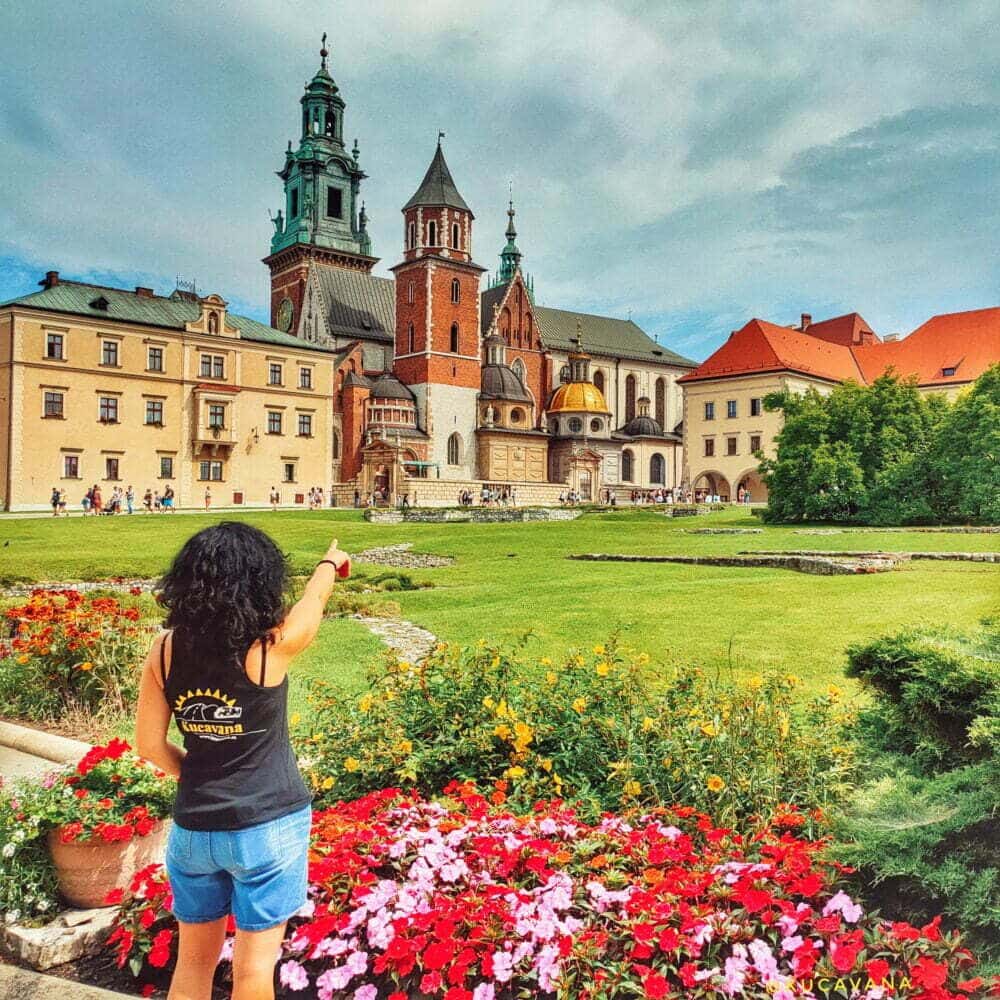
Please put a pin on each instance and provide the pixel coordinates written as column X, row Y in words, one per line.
column 510, row 578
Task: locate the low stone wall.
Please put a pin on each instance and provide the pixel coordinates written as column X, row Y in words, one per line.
column 800, row 564
column 400, row 557
column 724, row 531
column 471, row 515
column 986, row 557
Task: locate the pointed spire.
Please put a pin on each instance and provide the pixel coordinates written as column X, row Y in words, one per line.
column 510, row 256
column 437, row 189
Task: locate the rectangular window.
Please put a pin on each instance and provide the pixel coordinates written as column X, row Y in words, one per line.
column 709, row 448
column 109, row 353
column 108, row 410
column 273, row 422
column 216, row 415
column 305, row 378
column 154, row 412
column 730, row 408
column 54, row 346
column 754, row 443
column 218, row 366
column 205, row 369
column 755, row 407
column 274, row 374
column 54, row 404
column 710, row 411
column 305, row 425
column 71, row 466
column 111, row 468
column 334, row 203
column 166, row 467
column 210, row 472
column 730, row 446
column 289, row 472
column 155, row 361
column 293, row 204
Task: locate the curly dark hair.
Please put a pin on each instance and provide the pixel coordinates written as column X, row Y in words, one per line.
column 228, row 587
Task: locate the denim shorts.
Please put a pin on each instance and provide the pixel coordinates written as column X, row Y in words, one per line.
column 259, row 873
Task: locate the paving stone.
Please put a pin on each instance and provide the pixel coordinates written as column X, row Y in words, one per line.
column 70, row 936
column 401, row 557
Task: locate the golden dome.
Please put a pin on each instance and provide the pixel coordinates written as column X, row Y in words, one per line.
column 578, row 397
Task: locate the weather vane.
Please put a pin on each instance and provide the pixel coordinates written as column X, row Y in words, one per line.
column 440, row 136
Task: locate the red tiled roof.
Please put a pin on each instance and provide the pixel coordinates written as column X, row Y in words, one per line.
column 968, row 342
column 764, row 347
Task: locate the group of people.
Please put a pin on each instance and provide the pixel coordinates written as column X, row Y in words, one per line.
column 570, row 498
column 495, row 496
column 120, row 501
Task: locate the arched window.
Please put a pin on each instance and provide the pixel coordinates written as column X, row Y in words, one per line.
column 454, row 338
column 656, row 467
column 660, row 398
column 331, row 124
column 336, row 445
column 454, row 236
column 518, row 368
column 599, row 379
column 456, row 291
column 627, row 464
column 410, row 292
column 527, row 330
column 432, row 234
column 454, row 449
column 629, row 398
column 410, row 236
column 410, row 339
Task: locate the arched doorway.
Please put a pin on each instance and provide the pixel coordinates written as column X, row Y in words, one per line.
column 710, row 484
column 382, row 481
column 656, row 469
column 751, row 483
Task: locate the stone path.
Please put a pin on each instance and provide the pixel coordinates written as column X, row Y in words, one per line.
column 411, row 642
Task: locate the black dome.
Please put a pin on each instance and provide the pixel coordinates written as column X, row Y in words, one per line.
column 642, row 426
column 500, row 382
column 387, row 386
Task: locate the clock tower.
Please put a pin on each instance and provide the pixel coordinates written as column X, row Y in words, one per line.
column 323, row 221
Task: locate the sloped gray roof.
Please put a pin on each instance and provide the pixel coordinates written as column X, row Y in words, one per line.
column 437, row 188
column 171, row 312
column 358, row 305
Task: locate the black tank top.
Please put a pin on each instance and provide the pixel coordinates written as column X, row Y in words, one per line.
column 239, row 769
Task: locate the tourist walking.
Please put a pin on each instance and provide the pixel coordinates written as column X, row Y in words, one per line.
column 96, row 500
column 167, row 500
column 275, row 498
column 208, row 497
column 54, row 501
column 147, row 500
column 130, row 499
column 240, row 838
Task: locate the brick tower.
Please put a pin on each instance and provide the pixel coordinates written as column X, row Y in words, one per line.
column 437, row 319
column 323, row 222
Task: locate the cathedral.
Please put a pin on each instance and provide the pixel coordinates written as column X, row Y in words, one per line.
column 438, row 378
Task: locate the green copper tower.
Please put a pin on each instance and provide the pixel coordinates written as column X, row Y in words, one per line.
column 510, row 256
column 322, row 179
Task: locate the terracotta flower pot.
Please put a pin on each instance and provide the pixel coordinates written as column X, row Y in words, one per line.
column 89, row 869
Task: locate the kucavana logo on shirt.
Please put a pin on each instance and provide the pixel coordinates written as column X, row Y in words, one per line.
column 210, row 715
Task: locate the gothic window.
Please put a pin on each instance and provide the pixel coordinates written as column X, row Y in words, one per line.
column 456, row 291
column 432, row 234
column 454, row 338
column 656, row 469
column 410, row 289
column 627, row 462
column 293, row 203
column 410, row 339
column 454, row 449
column 454, row 236
column 336, row 445
column 518, row 367
column 334, row 203
column 660, row 393
column 410, row 239
column 331, row 125
column 630, row 398
column 599, row 380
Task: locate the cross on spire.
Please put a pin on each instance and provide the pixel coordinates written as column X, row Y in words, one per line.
column 323, row 52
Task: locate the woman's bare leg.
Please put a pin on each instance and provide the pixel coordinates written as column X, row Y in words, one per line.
column 197, row 957
column 254, row 958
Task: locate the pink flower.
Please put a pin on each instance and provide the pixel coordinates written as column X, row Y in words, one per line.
column 293, row 976
column 366, row 993
column 843, row 904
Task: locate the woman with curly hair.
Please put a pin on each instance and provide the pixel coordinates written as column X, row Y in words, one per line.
column 240, row 836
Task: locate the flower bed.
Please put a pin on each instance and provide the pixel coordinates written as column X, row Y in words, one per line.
column 463, row 899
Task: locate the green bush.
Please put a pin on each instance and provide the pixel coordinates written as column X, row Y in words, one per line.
column 592, row 730
column 924, row 836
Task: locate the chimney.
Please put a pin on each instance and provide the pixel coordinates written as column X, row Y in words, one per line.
column 146, row 293
column 50, row 280
column 806, row 322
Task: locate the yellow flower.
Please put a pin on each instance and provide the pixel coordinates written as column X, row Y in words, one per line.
column 546, row 661
column 667, row 761
column 365, row 703
column 23, row 658
column 756, row 682
column 648, row 724
column 352, row 764
column 404, row 746
column 557, row 781
column 293, row 721
column 404, row 665
column 833, row 691
column 488, row 702
column 578, row 660
column 515, row 772
column 632, row 788
column 603, row 668
column 545, row 764
column 708, row 728
column 715, row 783
column 495, row 663
column 550, row 677
column 793, row 680
column 327, row 784
column 87, row 665
column 598, row 650
column 503, row 731
column 524, row 733
column 580, row 705
column 783, row 726
column 643, row 659
column 502, row 710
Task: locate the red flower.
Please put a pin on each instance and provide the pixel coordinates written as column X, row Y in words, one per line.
column 926, row 972
column 430, row 982
column 655, row 986
column 148, row 990
column 971, row 985
column 878, row 970
column 844, row 950
column 114, row 897
column 437, row 954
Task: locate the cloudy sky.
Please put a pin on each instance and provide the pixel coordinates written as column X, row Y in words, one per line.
column 692, row 164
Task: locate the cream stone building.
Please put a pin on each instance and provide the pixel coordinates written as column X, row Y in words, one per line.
column 127, row 388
